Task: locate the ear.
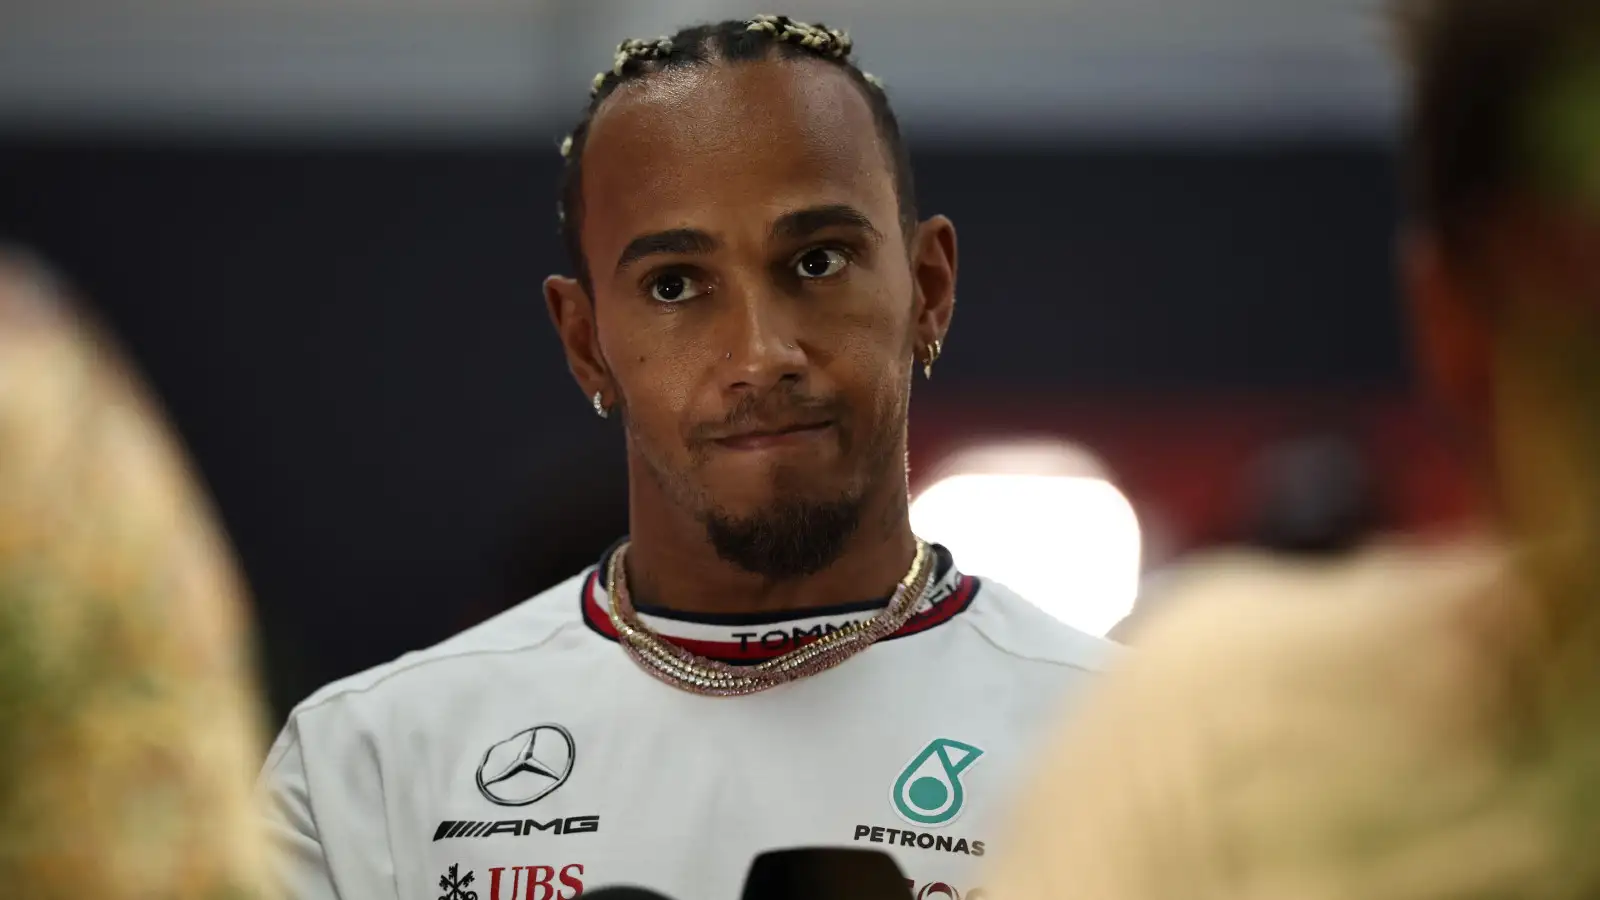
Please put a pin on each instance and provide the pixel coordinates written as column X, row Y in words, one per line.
column 572, row 312
column 1452, row 329
column 933, row 274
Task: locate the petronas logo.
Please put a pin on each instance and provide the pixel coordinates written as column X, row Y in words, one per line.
column 928, row 791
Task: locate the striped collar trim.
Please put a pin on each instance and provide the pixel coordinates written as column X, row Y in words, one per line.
column 745, row 639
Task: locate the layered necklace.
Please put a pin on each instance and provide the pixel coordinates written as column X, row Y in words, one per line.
column 699, row 675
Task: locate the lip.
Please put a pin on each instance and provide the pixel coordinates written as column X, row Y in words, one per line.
column 773, row 437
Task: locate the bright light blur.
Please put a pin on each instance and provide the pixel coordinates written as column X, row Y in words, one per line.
column 1044, row 521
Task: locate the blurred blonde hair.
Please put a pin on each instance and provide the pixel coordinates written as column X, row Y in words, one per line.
column 129, row 725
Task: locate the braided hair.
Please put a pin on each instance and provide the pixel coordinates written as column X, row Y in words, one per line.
column 732, row 41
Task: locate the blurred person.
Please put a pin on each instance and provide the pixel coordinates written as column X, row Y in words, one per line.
column 772, row 658
column 1425, row 724
column 1310, row 502
column 129, row 724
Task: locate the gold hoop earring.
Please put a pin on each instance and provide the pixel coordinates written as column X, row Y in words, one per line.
column 934, row 349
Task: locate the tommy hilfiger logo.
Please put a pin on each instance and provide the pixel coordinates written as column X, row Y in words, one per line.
column 516, row 827
column 762, row 640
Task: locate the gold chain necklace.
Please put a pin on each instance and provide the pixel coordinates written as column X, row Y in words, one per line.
column 699, row 675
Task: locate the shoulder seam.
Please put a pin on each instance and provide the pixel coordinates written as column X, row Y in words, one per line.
column 1065, row 664
column 417, row 664
column 281, row 751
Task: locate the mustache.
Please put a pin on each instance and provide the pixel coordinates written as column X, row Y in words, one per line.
column 772, row 406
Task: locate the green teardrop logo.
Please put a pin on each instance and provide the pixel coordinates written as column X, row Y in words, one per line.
column 928, row 791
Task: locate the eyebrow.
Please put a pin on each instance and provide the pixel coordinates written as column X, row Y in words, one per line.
column 791, row 226
column 805, row 222
column 672, row 241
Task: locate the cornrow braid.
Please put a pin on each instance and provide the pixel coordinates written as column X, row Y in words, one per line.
column 735, row 41
column 826, row 41
column 632, row 51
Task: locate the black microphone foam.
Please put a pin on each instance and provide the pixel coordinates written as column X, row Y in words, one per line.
column 835, row 873
column 624, row 892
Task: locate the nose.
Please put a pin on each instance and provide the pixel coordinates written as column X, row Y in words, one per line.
column 762, row 347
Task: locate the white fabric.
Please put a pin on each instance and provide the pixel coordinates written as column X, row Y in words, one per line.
column 665, row 789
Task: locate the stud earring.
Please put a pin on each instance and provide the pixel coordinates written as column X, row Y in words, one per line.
column 599, row 401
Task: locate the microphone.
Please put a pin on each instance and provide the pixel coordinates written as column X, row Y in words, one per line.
column 624, row 892
column 835, row 873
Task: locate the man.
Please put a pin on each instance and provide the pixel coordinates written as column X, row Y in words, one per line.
column 129, row 726
column 772, row 659
column 1422, row 723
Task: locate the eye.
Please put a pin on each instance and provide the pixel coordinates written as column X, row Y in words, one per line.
column 821, row 262
column 674, row 287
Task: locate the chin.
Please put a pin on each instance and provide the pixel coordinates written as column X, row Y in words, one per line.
column 750, row 499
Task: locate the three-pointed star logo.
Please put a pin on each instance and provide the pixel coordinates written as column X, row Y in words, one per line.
column 527, row 766
column 525, row 762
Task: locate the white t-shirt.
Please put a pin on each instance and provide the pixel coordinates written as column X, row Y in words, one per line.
column 529, row 758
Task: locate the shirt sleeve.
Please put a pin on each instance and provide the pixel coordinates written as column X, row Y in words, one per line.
column 300, row 859
column 326, row 806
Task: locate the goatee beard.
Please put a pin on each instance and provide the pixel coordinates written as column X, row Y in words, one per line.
column 789, row 540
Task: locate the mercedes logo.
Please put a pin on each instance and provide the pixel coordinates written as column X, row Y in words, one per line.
column 528, row 766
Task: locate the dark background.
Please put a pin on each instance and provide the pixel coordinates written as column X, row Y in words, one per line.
column 352, row 339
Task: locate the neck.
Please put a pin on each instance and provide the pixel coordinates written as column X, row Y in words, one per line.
column 671, row 564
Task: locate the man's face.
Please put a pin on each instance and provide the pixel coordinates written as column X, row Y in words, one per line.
column 755, row 310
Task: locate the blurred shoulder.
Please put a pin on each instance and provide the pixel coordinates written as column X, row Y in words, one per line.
column 1239, row 629
column 126, row 683
column 1266, row 687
